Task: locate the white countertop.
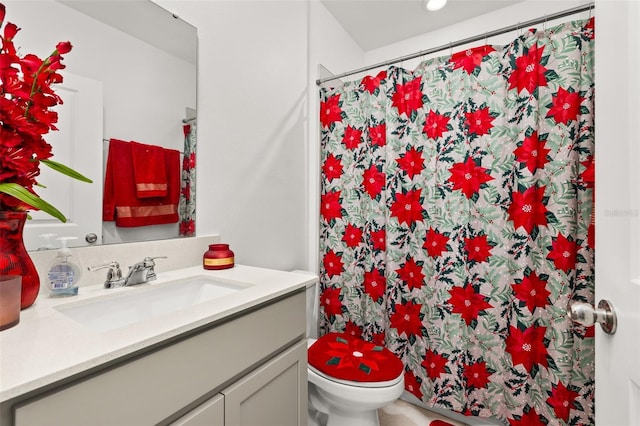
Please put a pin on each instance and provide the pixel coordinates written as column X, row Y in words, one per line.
column 47, row 346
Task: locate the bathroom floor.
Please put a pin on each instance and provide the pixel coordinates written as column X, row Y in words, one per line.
column 402, row 413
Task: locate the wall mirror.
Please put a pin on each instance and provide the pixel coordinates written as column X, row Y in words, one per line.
column 131, row 75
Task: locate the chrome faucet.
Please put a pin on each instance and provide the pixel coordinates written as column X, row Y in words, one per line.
column 139, row 273
column 142, row 272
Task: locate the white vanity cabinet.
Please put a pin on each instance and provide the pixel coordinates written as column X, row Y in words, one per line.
column 250, row 369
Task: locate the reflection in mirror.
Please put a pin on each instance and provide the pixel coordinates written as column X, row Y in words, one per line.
column 130, row 76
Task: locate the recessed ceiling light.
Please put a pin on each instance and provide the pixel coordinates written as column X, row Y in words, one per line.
column 433, row 5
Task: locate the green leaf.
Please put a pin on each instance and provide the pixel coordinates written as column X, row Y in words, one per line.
column 33, row 200
column 66, row 170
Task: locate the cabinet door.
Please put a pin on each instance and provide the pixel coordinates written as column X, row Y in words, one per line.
column 210, row 413
column 273, row 395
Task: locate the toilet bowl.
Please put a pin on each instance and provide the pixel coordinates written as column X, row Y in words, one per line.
column 354, row 401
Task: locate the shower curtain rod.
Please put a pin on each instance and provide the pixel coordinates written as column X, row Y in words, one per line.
column 519, row 25
column 188, row 120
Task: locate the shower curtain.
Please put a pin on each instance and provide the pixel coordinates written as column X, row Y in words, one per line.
column 187, row 203
column 456, row 201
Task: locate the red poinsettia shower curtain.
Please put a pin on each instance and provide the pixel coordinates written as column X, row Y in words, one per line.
column 455, row 209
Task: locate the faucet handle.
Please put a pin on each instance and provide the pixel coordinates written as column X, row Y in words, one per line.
column 149, row 261
column 114, row 274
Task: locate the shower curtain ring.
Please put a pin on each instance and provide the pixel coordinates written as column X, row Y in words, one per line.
column 544, row 24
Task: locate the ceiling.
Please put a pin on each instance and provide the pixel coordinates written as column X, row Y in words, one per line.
column 377, row 23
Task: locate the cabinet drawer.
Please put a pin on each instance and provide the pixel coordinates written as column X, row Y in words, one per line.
column 149, row 389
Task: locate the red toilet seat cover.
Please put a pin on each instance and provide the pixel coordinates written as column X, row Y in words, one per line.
column 347, row 358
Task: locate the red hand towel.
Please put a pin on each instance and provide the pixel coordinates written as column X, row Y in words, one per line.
column 120, row 201
column 149, row 171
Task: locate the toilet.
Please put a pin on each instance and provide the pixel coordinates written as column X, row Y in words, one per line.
column 349, row 379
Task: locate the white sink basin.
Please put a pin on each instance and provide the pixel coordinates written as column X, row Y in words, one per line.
column 146, row 302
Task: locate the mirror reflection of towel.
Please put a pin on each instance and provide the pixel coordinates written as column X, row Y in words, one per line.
column 120, row 202
column 149, row 172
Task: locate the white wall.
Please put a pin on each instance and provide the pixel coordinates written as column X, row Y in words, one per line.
column 252, row 78
column 145, row 92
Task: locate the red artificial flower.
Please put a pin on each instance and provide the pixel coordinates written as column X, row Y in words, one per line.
column 408, row 97
column 374, row 284
column 435, row 243
column 529, row 72
column 407, row 207
column 531, row 418
column 565, row 106
column 63, row 47
column 434, row 364
column 371, row 83
column 27, row 114
column 411, row 384
column 470, row 58
column 477, row 248
column 479, row 122
column 406, row 319
column 435, row 125
column 332, row 168
column 373, row 181
column 532, row 290
column 562, row 401
column 467, row 303
column 532, row 152
column 477, row 375
column 330, row 207
column 411, row 274
column 527, row 208
column 330, row 111
column 411, row 162
column 330, row 301
column 332, row 263
column 378, row 134
column 527, row 347
column 352, row 236
column 378, row 240
column 469, row 177
column 563, row 253
column 352, row 137
column 352, row 330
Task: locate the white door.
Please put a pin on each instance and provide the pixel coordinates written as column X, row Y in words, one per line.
column 618, row 209
column 77, row 144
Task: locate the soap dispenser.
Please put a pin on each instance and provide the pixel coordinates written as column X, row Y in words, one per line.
column 64, row 272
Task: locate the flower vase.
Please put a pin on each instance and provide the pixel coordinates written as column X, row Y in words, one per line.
column 14, row 258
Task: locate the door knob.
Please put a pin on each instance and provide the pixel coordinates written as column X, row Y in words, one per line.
column 587, row 315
